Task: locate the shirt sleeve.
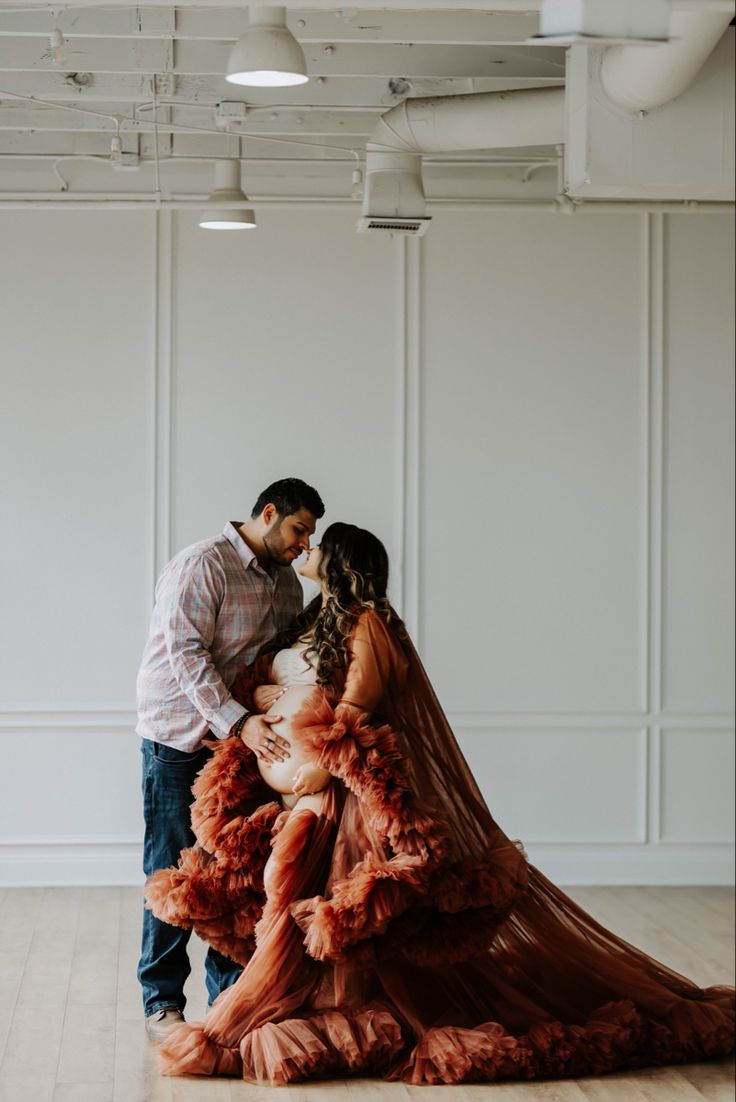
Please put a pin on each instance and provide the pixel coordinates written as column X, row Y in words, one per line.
column 188, row 615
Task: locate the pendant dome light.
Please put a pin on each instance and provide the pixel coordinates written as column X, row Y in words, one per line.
column 227, row 190
column 267, row 55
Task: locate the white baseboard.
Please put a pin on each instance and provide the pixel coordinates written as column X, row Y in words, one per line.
column 635, row 864
column 66, row 864
column 90, row 863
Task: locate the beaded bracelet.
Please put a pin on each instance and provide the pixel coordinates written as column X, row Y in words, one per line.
column 239, row 724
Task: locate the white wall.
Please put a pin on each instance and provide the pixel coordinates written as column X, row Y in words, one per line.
column 535, row 412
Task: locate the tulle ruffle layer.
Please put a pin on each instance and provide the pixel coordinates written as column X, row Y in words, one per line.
column 389, row 917
column 417, row 901
column 614, row 1038
column 372, row 1042
column 217, row 887
column 414, row 899
column 332, row 1043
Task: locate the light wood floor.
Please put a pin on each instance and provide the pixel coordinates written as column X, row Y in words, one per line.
column 71, row 1027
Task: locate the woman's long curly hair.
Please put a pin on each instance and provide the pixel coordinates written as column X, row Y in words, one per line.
column 354, row 572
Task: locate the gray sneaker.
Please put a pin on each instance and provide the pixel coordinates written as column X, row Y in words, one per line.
column 161, row 1022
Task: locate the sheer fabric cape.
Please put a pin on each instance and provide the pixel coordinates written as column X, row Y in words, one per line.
column 400, row 932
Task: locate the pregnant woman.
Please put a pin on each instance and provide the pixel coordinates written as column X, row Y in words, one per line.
column 387, row 925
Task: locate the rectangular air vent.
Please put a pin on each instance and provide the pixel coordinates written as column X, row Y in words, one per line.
column 415, row 227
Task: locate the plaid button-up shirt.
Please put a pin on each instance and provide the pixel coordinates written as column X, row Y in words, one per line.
column 215, row 608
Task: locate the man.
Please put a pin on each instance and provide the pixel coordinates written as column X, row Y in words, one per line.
column 217, row 603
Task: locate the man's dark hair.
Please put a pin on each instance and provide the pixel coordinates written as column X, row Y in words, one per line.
column 289, row 495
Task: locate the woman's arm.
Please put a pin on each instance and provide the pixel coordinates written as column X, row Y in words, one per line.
column 345, row 738
column 266, row 695
column 344, row 742
column 374, row 658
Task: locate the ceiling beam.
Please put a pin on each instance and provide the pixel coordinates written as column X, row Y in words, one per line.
column 518, row 6
column 327, row 5
column 60, row 88
column 336, row 93
column 93, row 55
column 445, row 27
column 110, row 55
column 285, row 121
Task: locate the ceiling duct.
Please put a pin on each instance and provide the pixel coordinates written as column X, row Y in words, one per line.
column 654, row 122
column 635, row 79
column 482, row 120
column 639, row 78
column 563, row 22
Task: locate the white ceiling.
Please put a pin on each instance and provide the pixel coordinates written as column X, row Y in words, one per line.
column 362, row 61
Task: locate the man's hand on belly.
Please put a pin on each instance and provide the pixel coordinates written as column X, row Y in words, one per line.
column 257, row 735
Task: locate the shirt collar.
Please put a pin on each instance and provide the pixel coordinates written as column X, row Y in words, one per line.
column 230, row 532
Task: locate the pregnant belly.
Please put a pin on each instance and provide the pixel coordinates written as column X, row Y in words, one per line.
column 279, row 775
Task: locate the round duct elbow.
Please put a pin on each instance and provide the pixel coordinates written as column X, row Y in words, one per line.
column 642, row 78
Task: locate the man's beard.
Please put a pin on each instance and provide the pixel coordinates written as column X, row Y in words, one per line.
column 275, row 545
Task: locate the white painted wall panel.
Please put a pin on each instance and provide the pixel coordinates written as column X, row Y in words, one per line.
column 534, row 463
column 697, row 796
column 291, row 351
column 698, row 614
column 286, row 364
column 86, row 784
column 562, row 786
column 76, row 302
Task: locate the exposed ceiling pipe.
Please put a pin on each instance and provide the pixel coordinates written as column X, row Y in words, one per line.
column 446, row 124
column 642, row 78
column 54, row 201
column 480, row 120
column 638, row 77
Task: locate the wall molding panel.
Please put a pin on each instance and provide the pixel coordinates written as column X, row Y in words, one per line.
column 111, row 718
column 687, row 758
column 161, row 420
column 114, row 718
column 532, row 777
column 654, row 839
column 89, row 863
column 635, row 864
column 696, row 577
column 410, row 256
column 653, row 341
column 634, row 720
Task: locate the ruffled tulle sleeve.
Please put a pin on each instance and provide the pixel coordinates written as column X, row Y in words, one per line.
column 381, row 906
column 353, row 741
column 376, row 661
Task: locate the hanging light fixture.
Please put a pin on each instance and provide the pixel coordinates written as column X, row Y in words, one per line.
column 267, row 55
column 227, row 190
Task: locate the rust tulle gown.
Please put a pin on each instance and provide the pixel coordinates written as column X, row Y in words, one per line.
column 400, row 933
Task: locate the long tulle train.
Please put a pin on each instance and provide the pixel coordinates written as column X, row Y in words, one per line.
column 556, row 995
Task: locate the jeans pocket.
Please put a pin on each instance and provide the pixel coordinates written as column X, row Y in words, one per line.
column 168, row 755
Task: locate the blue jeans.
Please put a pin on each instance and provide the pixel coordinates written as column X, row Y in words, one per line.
column 168, row 776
